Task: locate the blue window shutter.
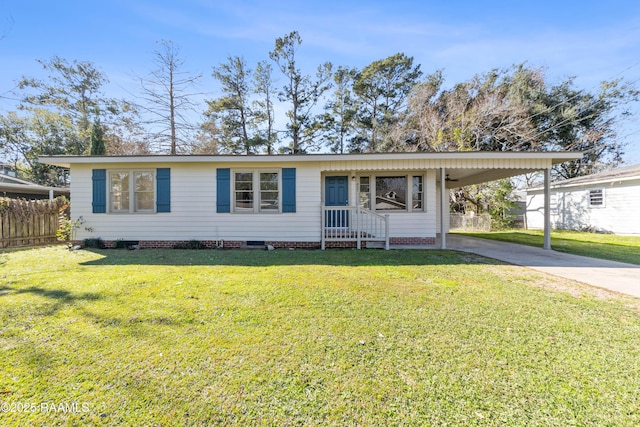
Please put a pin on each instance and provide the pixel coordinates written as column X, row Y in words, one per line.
column 99, row 179
column 163, row 190
column 223, row 190
column 288, row 189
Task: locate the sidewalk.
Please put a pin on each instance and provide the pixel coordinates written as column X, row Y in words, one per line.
column 615, row 276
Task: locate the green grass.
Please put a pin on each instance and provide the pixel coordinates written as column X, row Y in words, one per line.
column 605, row 246
column 338, row 337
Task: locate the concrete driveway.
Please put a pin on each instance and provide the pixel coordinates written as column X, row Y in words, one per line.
column 615, row 276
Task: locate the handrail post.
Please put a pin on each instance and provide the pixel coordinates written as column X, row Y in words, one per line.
column 323, row 231
column 358, row 229
column 386, row 232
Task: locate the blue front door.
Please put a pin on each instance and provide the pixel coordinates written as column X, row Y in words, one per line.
column 336, row 193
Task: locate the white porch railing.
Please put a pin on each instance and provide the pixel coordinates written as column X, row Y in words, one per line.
column 354, row 224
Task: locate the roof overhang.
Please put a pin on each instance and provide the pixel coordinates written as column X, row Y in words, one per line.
column 32, row 189
column 615, row 176
column 462, row 168
column 594, row 183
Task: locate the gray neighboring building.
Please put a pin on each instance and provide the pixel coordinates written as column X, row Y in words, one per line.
column 15, row 188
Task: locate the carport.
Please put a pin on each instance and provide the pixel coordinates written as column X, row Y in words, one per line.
column 464, row 168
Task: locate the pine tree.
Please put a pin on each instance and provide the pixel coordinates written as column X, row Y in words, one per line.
column 97, row 139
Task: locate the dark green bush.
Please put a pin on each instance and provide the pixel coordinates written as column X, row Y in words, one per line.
column 93, row 243
column 124, row 244
column 191, row 244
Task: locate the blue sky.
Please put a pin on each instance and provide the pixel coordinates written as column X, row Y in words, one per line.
column 591, row 40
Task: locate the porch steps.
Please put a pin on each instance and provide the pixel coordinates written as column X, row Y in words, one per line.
column 354, row 224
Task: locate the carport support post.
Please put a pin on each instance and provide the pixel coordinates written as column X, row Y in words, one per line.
column 444, row 205
column 547, row 209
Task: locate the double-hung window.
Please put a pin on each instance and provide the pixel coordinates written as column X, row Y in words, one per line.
column 132, row 191
column 269, row 193
column 256, row 191
column 365, row 192
column 417, row 193
column 244, row 192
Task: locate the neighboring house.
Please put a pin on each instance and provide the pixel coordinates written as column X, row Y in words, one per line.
column 13, row 187
column 606, row 202
column 346, row 200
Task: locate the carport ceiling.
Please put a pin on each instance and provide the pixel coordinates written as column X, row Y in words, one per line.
column 463, row 177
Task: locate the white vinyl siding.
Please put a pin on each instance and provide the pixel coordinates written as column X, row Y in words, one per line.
column 193, row 207
column 617, row 214
column 418, row 223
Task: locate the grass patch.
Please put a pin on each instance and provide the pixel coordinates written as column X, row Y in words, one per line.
column 604, row 246
column 204, row 337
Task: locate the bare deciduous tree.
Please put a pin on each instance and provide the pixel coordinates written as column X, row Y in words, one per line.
column 486, row 113
column 167, row 99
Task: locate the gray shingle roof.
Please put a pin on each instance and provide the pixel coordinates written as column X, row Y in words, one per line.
column 612, row 175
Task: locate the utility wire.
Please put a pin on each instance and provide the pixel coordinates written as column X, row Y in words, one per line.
column 580, row 93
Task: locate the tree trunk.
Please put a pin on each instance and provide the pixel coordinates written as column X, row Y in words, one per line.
column 172, row 113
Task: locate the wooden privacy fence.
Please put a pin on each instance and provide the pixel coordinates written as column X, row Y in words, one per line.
column 30, row 222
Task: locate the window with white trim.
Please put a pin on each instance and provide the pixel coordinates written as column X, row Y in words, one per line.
column 596, row 198
column 417, row 193
column 256, row 191
column 132, row 191
column 392, row 193
column 365, row 192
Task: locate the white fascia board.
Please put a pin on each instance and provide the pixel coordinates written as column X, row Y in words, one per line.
column 31, row 188
column 67, row 161
column 586, row 184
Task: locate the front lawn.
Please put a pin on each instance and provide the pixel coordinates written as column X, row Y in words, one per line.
column 604, row 246
column 337, row 337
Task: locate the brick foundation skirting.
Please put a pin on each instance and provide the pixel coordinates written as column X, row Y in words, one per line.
column 240, row 244
column 426, row 241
